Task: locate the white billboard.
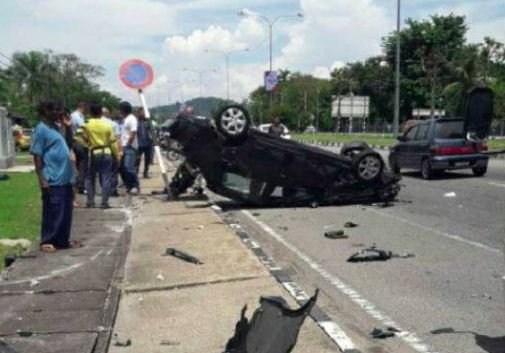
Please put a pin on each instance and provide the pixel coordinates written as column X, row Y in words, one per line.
column 351, row 107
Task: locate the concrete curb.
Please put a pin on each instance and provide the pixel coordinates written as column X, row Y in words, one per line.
column 320, row 317
column 376, row 147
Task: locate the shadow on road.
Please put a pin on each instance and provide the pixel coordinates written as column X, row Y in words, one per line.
column 440, row 176
column 488, row 344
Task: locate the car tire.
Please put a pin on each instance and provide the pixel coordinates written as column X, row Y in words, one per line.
column 233, row 123
column 426, row 171
column 368, row 166
column 479, row 171
column 354, row 148
column 393, row 164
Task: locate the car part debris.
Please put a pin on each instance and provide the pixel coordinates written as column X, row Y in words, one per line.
column 273, row 328
column 350, row 225
column 116, row 341
column 336, row 234
column 256, row 214
column 183, row 256
column 378, row 333
column 374, row 254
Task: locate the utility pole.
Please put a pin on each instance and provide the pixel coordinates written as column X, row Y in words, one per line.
column 200, row 75
column 396, row 121
column 270, row 22
column 226, row 55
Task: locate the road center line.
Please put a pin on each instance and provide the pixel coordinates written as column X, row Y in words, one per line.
column 496, row 184
column 436, row 231
column 409, row 338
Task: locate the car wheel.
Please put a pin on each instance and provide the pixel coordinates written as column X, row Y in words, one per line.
column 426, row 170
column 393, row 164
column 233, row 123
column 354, row 148
column 479, row 171
column 368, row 166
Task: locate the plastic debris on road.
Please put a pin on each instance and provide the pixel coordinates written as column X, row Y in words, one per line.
column 335, row 234
column 450, row 194
column 181, row 255
column 374, row 254
column 378, row 333
column 350, row 225
column 273, row 328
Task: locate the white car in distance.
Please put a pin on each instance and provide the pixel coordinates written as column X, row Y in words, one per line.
column 266, row 127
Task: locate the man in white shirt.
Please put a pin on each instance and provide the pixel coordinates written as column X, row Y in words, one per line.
column 115, row 166
column 79, row 146
column 130, row 146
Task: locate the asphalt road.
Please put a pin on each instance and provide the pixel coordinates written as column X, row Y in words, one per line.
column 448, row 298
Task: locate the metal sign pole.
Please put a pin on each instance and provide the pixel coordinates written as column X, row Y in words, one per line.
column 157, row 149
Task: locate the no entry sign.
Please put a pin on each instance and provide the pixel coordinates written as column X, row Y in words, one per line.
column 136, row 74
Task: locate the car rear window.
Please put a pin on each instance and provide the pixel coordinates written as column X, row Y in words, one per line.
column 450, row 130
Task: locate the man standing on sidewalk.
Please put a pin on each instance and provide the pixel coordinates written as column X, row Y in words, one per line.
column 79, row 145
column 104, row 149
column 130, row 145
column 146, row 145
column 55, row 172
column 115, row 164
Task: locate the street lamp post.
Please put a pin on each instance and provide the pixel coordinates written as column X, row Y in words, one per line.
column 200, row 75
column 270, row 22
column 226, row 55
column 396, row 121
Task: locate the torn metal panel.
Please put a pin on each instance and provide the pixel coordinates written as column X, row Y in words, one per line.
column 273, row 328
column 244, row 164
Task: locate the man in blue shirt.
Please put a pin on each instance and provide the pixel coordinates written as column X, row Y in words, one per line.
column 55, row 172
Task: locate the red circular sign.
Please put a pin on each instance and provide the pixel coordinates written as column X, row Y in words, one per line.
column 136, row 74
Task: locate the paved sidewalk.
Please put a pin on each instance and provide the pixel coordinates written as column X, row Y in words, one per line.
column 66, row 302
column 168, row 305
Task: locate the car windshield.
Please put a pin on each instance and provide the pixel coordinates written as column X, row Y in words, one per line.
column 450, row 129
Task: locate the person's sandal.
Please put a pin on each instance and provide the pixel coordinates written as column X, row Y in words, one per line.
column 48, row 248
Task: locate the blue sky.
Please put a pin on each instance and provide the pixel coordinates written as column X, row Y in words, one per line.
column 173, row 34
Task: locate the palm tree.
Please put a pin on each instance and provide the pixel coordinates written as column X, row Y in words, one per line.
column 465, row 71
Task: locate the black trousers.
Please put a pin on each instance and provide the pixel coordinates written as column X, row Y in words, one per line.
column 147, row 152
column 57, row 210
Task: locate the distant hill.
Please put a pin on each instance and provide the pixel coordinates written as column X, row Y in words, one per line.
column 203, row 107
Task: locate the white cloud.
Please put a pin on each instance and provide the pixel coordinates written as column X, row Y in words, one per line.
column 335, row 30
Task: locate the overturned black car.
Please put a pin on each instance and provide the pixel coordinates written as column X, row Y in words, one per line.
column 256, row 168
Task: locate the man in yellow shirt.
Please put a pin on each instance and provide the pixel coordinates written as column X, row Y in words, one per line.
column 103, row 148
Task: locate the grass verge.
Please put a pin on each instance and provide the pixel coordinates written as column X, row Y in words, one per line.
column 387, row 141
column 20, row 206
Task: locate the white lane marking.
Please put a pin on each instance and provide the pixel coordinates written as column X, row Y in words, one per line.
column 337, row 335
column 409, row 338
column 496, row 184
column 331, row 328
column 436, row 231
column 295, row 291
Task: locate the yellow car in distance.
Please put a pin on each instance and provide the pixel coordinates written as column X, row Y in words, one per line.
column 23, row 139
